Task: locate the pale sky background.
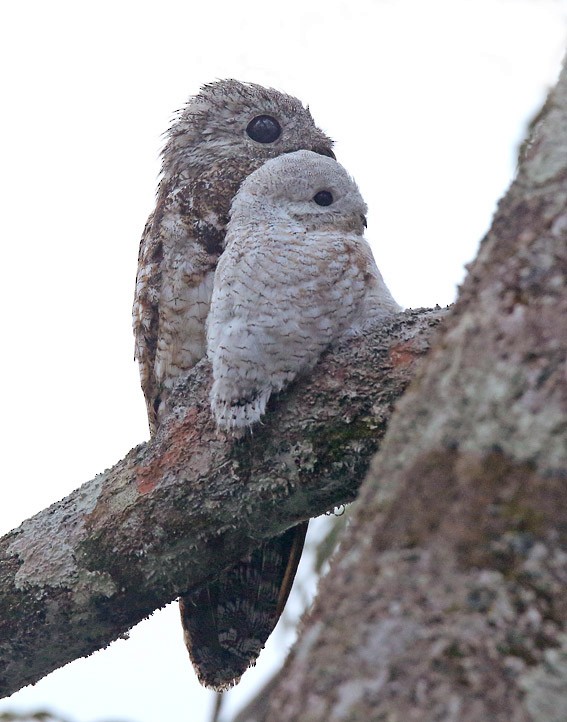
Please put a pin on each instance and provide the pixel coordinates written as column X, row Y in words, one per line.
column 427, row 102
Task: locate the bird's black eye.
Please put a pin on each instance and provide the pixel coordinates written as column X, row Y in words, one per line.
column 323, row 198
column 264, row 129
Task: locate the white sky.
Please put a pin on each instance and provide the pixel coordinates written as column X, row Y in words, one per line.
column 427, row 102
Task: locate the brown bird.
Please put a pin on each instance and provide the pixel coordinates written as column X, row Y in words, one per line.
column 224, row 133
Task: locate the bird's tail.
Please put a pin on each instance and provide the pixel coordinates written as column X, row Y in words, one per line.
column 227, row 622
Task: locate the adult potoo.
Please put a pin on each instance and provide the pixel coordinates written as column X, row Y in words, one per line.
column 222, row 135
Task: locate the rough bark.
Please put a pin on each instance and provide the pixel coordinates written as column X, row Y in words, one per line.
column 192, row 501
column 448, row 597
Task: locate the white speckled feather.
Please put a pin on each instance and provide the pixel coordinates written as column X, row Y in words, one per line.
column 295, row 276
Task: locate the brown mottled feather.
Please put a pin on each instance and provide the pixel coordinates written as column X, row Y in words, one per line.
column 228, row 621
column 206, row 157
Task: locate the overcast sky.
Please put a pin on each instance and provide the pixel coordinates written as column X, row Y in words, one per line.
column 427, row 102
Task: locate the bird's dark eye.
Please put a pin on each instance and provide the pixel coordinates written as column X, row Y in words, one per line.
column 264, row 129
column 323, row 198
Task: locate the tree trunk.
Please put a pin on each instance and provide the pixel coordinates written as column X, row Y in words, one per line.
column 448, row 597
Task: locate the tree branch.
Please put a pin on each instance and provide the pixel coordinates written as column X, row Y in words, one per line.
column 182, row 507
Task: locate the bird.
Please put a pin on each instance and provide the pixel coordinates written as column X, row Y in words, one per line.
column 222, row 134
column 296, row 276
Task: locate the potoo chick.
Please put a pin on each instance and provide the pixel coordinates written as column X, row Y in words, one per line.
column 295, row 276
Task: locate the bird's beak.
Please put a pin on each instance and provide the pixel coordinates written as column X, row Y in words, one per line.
column 325, row 151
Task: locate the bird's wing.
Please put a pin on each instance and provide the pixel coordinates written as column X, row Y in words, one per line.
column 145, row 314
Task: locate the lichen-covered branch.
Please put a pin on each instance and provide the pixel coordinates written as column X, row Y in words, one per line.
column 179, row 509
column 448, row 598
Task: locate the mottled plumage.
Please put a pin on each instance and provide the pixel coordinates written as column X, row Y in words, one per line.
column 227, row 624
column 207, row 155
column 224, row 133
column 296, row 275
